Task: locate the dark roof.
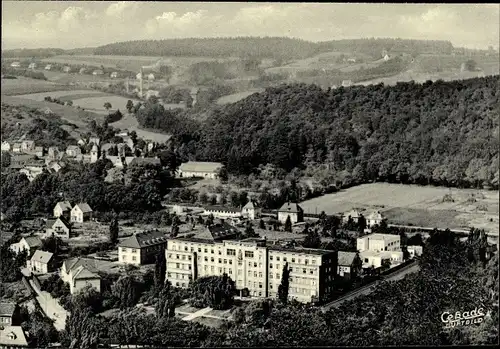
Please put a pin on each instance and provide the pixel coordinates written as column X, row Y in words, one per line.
column 73, row 263
column 222, row 208
column 42, row 256
column 84, row 207
column 7, row 309
column 291, row 207
column 145, row 161
column 199, row 166
column 33, row 241
column 346, row 258
column 223, row 231
column 195, row 239
column 300, row 250
column 50, row 222
column 144, row 239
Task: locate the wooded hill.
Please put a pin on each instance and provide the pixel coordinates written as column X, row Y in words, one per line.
column 433, row 133
column 268, row 47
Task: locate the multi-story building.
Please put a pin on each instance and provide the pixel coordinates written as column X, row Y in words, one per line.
column 141, row 248
column 379, row 242
column 255, row 267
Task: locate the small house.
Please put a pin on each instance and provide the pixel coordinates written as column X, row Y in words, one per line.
column 80, row 273
column 353, row 214
column 375, row 218
column 386, row 57
column 48, row 67
column 9, row 314
column 97, row 72
column 95, row 141
column 250, row 210
column 13, row 337
column 56, row 166
column 73, row 150
column 5, row 146
column 48, row 111
column 292, row 210
column 67, row 69
column 142, row 247
column 351, row 60
column 138, row 76
column 58, row 227
column 53, row 153
column 16, row 148
column 39, row 151
column 32, row 66
column 200, row 169
column 81, row 212
column 114, row 75
column 42, row 262
column 62, row 208
column 82, row 71
column 15, row 65
column 28, row 243
column 346, row 83
column 27, row 146
column 347, row 266
column 151, row 77
column 415, row 251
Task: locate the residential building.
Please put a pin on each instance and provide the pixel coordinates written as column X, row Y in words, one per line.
column 98, row 72
column 415, row 251
column 255, row 268
column 82, row 71
column 95, row 141
column 53, row 153
column 19, row 161
column 151, row 77
column 39, row 151
column 222, row 212
column 379, row 242
column 386, row 57
column 73, row 150
column 376, row 259
column 48, row 67
column 144, row 161
column 200, row 169
column 32, row 66
column 28, row 243
column 79, row 273
column 114, row 75
column 67, row 69
column 13, row 337
column 292, row 210
column 32, row 172
column 81, row 212
column 9, row 314
column 151, row 93
column 55, row 166
column 251, row 210
column 346, row 83
column 141, row 248
column 62, row 208
column 348, row 265
column 354, row 214
column 375, row 218
column 15, row 64
column 16, row 148
column 42, row 262
column 5, row 146
column 58, row 227
column 94, row 154
column 48, row 111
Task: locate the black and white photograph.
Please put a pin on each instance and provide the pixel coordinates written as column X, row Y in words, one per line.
column 249, row 174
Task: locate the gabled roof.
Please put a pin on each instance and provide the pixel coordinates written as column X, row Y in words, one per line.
column 73, row 147
column 346, row 258
column 291, row 208
column 13, row 336
column 375, row 215
column 51, row 222
column 145, row 161
column 84, row 207
column 144, row 239
column 7, row 309
column 64, row 205
column 33, row 241
column 83, row 273
column 250, row 205
column 74, row 263
column 42, row 256
column 218, row 232
column 354, row 213
column 195, row 166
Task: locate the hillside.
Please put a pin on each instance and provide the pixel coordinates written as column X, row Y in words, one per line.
column 442, row 133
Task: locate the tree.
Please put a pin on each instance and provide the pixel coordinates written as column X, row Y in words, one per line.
column 249, row 231
column 160, row 270
column 167, row 300
column 288, row 224
column 53, row 244
column 126, row 290
column 114, row 231
column 213, row 291
column 107, row 106
column 361, row 223
column 284, row 285
column 129, row 106
column 261, row 224
column 312, row 240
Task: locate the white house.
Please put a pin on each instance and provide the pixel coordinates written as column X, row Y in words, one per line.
column 386, row 57
column 200, row 169
column 222, row 212
column 48, row 67
column 13, row 337
column 375, row 218
column 354, row 214
column 16, row 148
column 292, row 210
column 58, row 227
column 27, row 145
column 15, row 64
column 151, row 77
column 415, row 251
column 53, row 153
column 42, row 262
column 32, row 66
column 28, row 243
column 79, row 273
column 379, row 242
column 98, row 72
column 67, row 69
column 32, row 172
column 5, row 146
column 142, row 247
column 375, row 259
column 39, row 151
column 251, row 210
column 62, row 208
column 95, row 141
column 73, row 150
column 346, row 83
column 81, row 212
column 114, row 75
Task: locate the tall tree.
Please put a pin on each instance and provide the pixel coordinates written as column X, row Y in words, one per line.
column 288, row 224
column 160, row 270
column 284, row 286
column 114, row 231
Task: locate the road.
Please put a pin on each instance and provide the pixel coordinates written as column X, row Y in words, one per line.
column 367, row 289
column 51, row 307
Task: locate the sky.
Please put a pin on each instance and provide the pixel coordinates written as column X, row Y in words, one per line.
column 73, row 24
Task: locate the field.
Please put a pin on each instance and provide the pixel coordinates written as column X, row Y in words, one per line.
column 11, row 87
column 416, row 205
column 93, row 103
column 235, row 97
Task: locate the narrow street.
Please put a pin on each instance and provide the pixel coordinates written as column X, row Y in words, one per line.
column 51, row 307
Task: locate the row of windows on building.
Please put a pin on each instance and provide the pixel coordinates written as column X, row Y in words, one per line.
column 124, row 258
column 179, row 276
column 293, row 260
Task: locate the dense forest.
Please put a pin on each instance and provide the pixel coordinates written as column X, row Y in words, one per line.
column 36, row 52
column 268, row 47
column 443, row 133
